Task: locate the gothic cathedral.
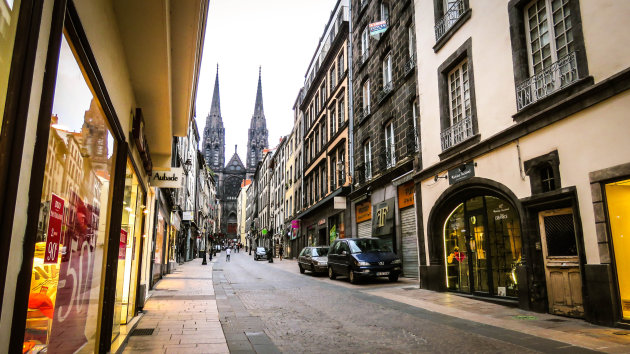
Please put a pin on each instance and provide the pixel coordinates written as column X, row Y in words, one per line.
column 229, row 176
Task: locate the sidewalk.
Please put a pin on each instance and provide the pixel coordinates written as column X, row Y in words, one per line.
column 182, row 310
column 563, row 329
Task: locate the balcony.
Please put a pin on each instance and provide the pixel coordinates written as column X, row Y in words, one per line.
column 457, row 133
column 410, row 65
column 362, row 113
column 559, row 75
column 451, row 16
column 387, row 89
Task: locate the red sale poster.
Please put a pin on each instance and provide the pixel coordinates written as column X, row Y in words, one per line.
column 55, row 220
column 122, row 251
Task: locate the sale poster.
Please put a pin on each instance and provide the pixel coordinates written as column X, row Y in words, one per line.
column 55, row 220
column 122, row 250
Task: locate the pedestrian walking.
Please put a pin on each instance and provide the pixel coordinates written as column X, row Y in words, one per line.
column 281, row 252
column 238, row 248
column 227, row 254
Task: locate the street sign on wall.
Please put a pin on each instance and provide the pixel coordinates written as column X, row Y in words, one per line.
column 377, row 28
column 187, row 215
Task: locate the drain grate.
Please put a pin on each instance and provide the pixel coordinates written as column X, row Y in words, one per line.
column 143, row 332
column 522, row 317
column 555, row 320
column 622, row 333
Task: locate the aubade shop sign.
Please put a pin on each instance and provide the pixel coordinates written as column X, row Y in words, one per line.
column 174, row 178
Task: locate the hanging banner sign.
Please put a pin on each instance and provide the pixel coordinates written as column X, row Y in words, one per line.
column 187, row 215
column 174, row 178
column 461, row 173
column 122, row 249
column 378, row 28
column 339, row 203
column 295, row 224
column 364, row 211
column 53, row 237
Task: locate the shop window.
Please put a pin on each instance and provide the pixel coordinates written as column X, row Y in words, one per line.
column 129, row 250
column 618, row 202
column 544, row 173
column 71, row 238
column 8, row 26
column 483, row 247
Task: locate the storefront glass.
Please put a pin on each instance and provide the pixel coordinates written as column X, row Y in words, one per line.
column 482, row 247
column 130, row 234
column 63, row 306
column 9, row 10
column 618, row 199
column 158, row 246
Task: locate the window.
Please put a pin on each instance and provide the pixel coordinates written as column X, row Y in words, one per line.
column 323, row 128
column 341, row 171
column 384, row 11
column 387, row 73
column 543, row 172
column 411, row 37
column 367, row 158
column 332, row 79
column 340, row 66
column 547, row 42
column 548, row 49
column 414, row 116
column 341, row 110
column 390, row 145
column 457, row 97
column 365, row 44
column 333, row 120
column 333, row 168
column 448, row 13
column 324, row 185
column 366, row 97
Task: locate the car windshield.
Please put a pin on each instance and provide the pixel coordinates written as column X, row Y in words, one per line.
column 260, row 249
column 368, row 245
column 320, row 252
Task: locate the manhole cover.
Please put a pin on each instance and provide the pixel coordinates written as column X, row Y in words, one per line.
column 555, row 320
column 142, row 332
column 522, row 317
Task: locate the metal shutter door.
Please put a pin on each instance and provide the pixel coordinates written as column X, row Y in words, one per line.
column 409, row 243
column 365, row 229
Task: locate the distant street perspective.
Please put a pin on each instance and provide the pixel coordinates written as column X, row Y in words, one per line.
column 314, row 176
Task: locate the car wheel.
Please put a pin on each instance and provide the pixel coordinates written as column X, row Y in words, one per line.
column 353, row 278
column 301, row 269
column 393, row 278
column 331, row 274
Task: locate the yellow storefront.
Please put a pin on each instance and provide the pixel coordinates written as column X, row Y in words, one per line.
column 618, row 201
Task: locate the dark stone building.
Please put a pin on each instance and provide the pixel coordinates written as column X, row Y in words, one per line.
column 229, row 176
column 385, row 125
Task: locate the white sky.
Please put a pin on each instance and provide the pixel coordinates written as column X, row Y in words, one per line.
column 280, row 35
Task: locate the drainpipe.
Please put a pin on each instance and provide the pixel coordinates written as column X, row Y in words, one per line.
column 350, row 101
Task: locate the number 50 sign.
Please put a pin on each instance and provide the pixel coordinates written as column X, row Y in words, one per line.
column 53, row 236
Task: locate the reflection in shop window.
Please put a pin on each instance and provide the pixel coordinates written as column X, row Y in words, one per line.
column 64, row 298
column 9, row 10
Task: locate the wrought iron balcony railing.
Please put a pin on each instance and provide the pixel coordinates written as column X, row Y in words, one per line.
column 559, row 75
column 457, row 133
column 364, row 3
column 362, row 113
column 410, row 64
column 451, row 16
column 387, row 88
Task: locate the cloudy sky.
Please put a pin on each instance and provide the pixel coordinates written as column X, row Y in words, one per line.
column 279, row 35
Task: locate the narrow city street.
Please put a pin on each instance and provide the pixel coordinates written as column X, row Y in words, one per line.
column 270, row 308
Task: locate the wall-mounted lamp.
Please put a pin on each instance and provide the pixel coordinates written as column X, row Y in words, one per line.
column 437, row 177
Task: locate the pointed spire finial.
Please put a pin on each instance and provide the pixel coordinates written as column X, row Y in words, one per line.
column 215, row 107
column 235, row 148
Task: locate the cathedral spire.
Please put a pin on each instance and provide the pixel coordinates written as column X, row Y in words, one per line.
column 215, row 108
column 258, row 108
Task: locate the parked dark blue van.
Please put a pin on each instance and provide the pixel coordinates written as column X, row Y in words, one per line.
column 362, row 257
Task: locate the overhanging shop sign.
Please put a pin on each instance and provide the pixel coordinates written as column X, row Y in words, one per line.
column 174, row 178
column 54, row 230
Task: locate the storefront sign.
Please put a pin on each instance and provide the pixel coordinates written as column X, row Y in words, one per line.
column 339, row 203
column 122, row 249
column 140, row 139
column 383, row 222
column 461, row 173
column 501, row 212
column 378, row 28
column 54, row 230
column 187, row 215
column 405, row 195
column 295, row 224
column 168, row 179
column 364, row 211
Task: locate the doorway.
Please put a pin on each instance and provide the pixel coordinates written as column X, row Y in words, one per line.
column 562, row 263
column 321, row 238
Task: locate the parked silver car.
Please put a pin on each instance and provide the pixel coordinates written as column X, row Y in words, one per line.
column 314, row 259
column 260, row 253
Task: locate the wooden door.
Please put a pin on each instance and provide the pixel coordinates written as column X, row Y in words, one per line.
column 562, row 264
